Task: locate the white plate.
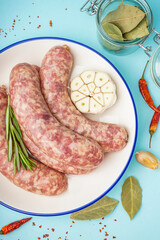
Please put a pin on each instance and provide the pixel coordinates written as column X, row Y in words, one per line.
column 83, row 190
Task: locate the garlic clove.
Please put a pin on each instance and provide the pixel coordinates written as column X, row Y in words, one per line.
column 76, row 96
column 108, row 87
column 97, row 90
column 95, row 106
column 88, row 76
column 147, row 159
column 99, row 98
column 83, row 105
column 76, row 83
column 84, row 89
column 91, row 87
column 108, row 99
column 101, row 79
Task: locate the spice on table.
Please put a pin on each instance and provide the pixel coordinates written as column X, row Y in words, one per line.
column 98, row 210
column 50, row 23
column 145, row 92
column 45, row 235
column 131, row 196
column 153, row 125
column 13, row 226
column 106, row 234
column 147, row 159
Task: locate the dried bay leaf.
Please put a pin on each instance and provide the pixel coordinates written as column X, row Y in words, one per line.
column 126, row 17
column 131, row 196
column 113, row 31
column 97, row 210
column 138, row 32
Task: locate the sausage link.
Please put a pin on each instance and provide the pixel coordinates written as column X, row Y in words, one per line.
column 42, row 180
column 55, row 71
column 50, row 162
column 33, row 115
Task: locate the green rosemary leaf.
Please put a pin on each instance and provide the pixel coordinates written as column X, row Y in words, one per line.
column 22, row 162
column 7, row 120
column 10, row 147
column 15, row 148
column 20, row 141
column 32, row 163
column 15, row 122
column 17, row 156
column 15, row 163
column 25, row 160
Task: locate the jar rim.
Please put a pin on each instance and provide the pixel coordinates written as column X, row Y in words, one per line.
column 117, row 42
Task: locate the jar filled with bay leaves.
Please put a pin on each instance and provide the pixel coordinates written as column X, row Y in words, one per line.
column 123, row 25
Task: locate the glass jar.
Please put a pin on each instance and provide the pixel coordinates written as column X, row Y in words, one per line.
column 120, row 47
column 155, row 66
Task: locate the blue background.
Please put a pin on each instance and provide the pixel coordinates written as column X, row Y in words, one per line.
column 69, row 22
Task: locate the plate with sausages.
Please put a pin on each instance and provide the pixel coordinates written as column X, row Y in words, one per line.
column 80, row 157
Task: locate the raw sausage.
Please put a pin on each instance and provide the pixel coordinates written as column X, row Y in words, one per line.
column 55, row 71
column 33, row 115
column 50, row 162
column 42, row 180
column 36, row 152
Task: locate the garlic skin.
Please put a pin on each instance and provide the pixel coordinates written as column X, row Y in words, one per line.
column 93, row 92
column 147, row 159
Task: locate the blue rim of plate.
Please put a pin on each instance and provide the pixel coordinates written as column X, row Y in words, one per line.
column 134, row 144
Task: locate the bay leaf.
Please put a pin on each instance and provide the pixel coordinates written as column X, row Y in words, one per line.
column 138, row 32
column 131, row 196
column 113, row 31
column 126, row 17
column 97, row 210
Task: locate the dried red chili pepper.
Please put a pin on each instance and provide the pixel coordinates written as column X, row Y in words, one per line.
column 154, row 124
column 145, row 92
column 13, row 226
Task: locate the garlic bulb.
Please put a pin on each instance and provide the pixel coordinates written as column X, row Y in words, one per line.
column 93, row 92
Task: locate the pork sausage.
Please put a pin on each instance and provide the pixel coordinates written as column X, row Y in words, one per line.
column 43, row 180
column 51, row 162
column 55, row 72
column 51, row 137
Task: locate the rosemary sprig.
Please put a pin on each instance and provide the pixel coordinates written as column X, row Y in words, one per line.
column 7, row 119
column 15, row 142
